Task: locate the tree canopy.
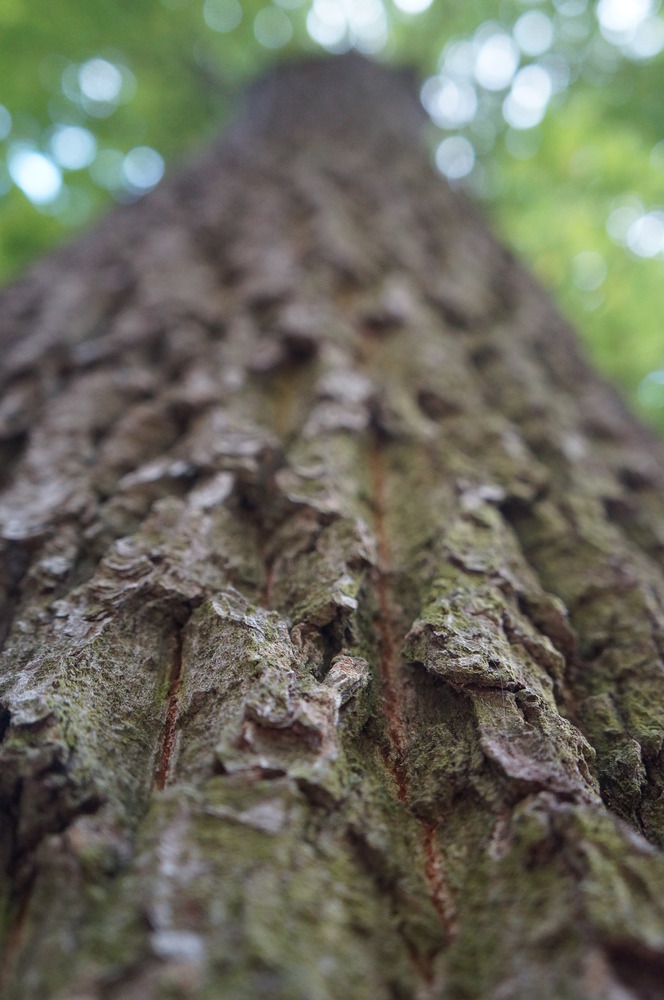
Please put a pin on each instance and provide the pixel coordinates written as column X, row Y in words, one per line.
column 548, row 111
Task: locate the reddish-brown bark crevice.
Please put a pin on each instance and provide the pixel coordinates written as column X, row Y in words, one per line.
column 391, row 678
column 441, row 895
column 266, row 596
column 170, row 724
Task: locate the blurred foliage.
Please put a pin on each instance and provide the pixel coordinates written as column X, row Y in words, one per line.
column 561, row 135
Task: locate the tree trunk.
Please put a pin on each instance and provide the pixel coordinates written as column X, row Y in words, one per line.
column 332, row 594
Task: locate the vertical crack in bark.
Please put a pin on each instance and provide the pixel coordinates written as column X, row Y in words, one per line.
column 393, row 699
column 170, row 725
column 268, row 587
column 441, row 895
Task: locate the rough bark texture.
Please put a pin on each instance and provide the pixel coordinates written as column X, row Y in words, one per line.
column 333, row 603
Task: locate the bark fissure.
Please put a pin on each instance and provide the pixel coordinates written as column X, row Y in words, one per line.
column 393, row 695
column 170, row 722
column 441, row 895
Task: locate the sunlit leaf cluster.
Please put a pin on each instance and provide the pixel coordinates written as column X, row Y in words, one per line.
column 548, row 110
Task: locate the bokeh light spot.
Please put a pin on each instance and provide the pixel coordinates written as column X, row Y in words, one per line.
column 645, row 236
column 496, row 61
column 651, row 390
column 571, row 8
column 368, row 24
column 412, row 6
column 619, row 19
column 455, row 157
column 222, row 15
column 450, row 103
column 73, row 147
column 272, row 28
column 327, row 24
column 533, row 33
column 338, row 25
column 589, row 270
column 129, row 84
column 69, row 83
column 527, row 101
column 458, row 58
column 35, row 174
column 100, row 81
column 624, row 213
column 143, row 167
column 647, row 41
column 573, row 31
column 657, row 156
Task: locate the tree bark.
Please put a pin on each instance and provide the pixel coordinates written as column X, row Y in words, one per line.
column 333, row 595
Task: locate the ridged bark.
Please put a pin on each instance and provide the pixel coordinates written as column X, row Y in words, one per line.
column 333, row 595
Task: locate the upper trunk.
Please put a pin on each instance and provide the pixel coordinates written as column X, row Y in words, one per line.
column 334, row 616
